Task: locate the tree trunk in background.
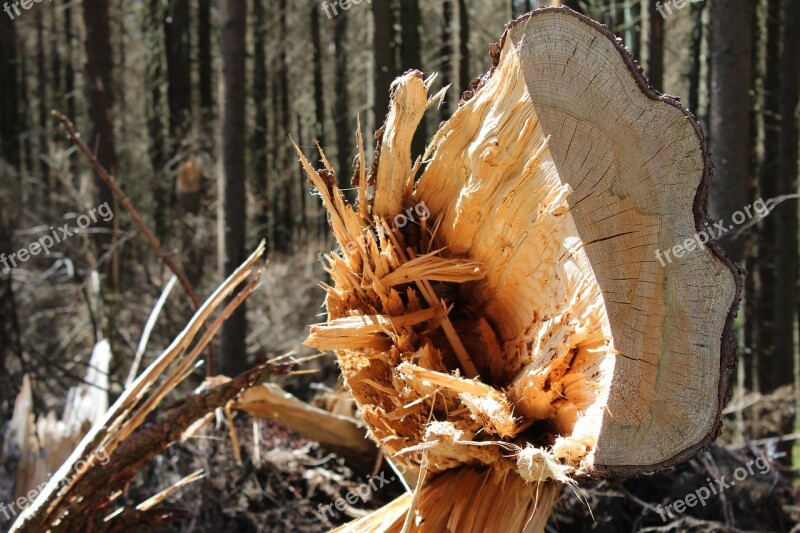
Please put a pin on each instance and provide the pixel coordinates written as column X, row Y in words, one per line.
column 205, row 71
column 318, row 132
column 729, row 123
column 613, row 15
column 9, row 325
column 179, row 82
column 154, row 79
column 120, row 62
column 260, row 178
column 25, row 112
column 383, row 57
column 464, row 74
column 55, row 59
column 572, row 4
column 696, row 50
column 411, row 58
column 786, row 213
column 9, row 94
column 275, row 159
column 69, row 73
column 319, row 80
column 341, row 111
column 299, row 186
column 768, row 188
column 41, row 95
column 56, row 87
column 286, row 196
column 98, row 97
column 446, row 55
column 632, row 12
column 749, row 358
column 233, row 353
column 204, row 59
column 655, row 48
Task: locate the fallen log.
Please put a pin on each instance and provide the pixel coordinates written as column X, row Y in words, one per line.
column 342, row 435
column 559, row 346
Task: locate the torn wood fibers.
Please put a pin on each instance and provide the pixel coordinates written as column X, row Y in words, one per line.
column 523, row 335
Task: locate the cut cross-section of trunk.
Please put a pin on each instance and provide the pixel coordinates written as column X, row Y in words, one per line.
column 513, row 316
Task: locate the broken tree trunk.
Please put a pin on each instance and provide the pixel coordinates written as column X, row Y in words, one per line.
column 509, row 319
column 101, row 466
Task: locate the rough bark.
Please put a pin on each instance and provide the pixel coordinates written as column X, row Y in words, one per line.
column 233, row 353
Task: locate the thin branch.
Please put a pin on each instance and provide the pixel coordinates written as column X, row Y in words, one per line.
column 151, row 239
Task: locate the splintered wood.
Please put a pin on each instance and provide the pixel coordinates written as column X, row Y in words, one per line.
column 502, row 312
column 432, row 324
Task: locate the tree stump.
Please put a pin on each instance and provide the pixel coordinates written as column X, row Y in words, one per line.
column 504, row 321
